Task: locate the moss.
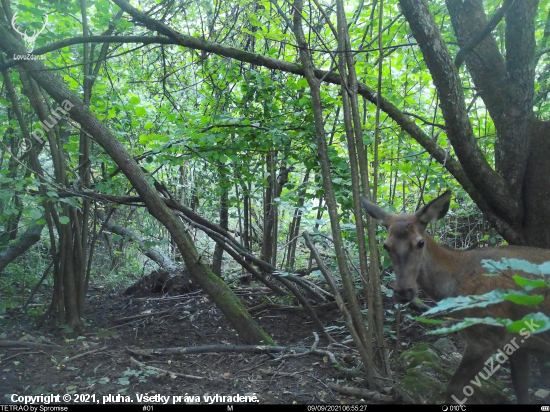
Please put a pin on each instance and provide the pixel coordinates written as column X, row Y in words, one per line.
column 422, row 385
column 415, row 356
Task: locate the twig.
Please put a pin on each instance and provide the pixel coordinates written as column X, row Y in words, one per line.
column 215, row 348
column 275, row 373
column 84, row 354
column 16, row 343
column 140, row 316
column 17, row 354
column 273, row 306
column 181, row 375
column 38, row 285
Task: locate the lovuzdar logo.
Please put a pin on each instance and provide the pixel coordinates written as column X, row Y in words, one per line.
column 28, row 40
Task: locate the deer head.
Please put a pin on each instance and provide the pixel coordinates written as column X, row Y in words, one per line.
column 28, row 40
column 406, row 240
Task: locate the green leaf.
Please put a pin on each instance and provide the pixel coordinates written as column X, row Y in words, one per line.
column 429, row 321
column 516, row 264
column 134, row 100
column 467, row 322
column 35, row 214
column 522, row 298
column 149, row 244
column 123, row 381
column 63, row 220
column 481, row 301
column 534, row 323
column 148, row 125
column 140, row 111
column 530, row 284
column 545, row 268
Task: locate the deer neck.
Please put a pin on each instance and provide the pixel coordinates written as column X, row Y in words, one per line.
column 439, row 270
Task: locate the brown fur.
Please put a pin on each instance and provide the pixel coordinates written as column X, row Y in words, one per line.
column 442, row 272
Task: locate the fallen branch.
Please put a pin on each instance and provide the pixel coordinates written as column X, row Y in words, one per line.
column 363, row 393
column 16, row 343
column 152, row 253
column 215, row 348
column 142, row 315
column 278, row 373
column 273, row 306
column 181, row 375
column 20, row 353
column 83, row 354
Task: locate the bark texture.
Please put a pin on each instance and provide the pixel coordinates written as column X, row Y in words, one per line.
column 216, row 289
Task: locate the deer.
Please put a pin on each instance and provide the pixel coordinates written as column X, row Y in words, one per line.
column 442, row 272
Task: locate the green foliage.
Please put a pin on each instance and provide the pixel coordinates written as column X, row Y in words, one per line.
column 139, row 375
column 520, row 297
column 481, row 301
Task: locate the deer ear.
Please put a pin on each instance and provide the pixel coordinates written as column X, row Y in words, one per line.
column 375, row 211
column 436, row 209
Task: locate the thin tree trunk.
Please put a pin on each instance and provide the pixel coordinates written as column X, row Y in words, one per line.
column 295, row 226
column 216, row 289
column 224, row 220
column 330, row 198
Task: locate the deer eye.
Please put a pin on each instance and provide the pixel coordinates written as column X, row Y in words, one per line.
column 420, row 243
column 386, row 247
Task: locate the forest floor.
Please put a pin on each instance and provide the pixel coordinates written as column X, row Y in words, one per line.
column 107, row 365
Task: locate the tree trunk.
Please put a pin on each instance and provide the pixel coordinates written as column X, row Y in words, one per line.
column 358, row 325
column 267, row 238
column 27, row 239
column 536, row 187
column 216, row 289
column 224, row 220
column 152, row 253
column 294, row 229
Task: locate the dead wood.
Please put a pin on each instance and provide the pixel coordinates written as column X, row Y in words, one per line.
column 215, row 348
column 181, row 375
column 83, row 354
column 16, row 343
column 266, row 305
column 363, row 393
column 142, row 315
column 275, row 373
column 20, row 353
